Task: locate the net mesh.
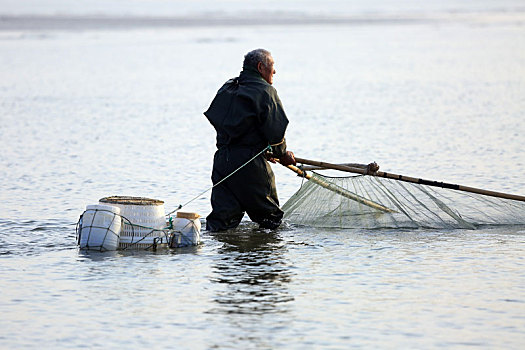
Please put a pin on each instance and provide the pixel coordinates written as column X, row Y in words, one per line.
column 327, row 202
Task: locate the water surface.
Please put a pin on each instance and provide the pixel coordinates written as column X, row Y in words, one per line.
column 87, row 114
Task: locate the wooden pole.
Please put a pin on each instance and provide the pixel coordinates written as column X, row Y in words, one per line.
column 340, row 190
column 411, row 179
column 325, row 165
column 315, row 167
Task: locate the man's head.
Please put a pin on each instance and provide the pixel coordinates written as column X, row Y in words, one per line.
column 262, row 61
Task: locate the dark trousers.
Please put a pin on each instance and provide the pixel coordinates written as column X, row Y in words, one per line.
column 251, row 189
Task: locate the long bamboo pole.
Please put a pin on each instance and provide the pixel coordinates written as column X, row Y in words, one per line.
column 411, row 179
column 315, row 167
column 340, row 190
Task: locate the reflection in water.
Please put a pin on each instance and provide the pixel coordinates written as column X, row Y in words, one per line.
column 92, row 255
column 254, row 272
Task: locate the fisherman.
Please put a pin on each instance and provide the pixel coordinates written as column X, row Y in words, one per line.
column 248, row 117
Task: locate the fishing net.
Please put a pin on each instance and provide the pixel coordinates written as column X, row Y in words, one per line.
column 373, row 202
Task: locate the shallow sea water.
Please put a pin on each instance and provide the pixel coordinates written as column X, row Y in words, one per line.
column 91, row 113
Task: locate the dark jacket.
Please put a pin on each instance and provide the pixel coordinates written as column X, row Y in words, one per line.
column 248, row 113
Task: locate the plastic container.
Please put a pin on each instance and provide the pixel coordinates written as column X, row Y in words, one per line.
column 144, row 221
column 100, row 228
column 187, row 229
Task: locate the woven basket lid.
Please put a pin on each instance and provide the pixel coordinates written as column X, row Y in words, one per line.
column 130, row 200
column 189, row 216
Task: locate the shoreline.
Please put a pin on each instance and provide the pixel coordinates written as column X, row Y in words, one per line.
column 94, row 22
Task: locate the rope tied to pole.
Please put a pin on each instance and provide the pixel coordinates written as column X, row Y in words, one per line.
column 267, row 148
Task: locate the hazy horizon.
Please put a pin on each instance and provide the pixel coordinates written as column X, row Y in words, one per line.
column 229, row 7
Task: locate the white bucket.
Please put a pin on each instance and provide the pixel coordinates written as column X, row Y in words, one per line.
column 147, row 220
column 100, row 228
column 187, row 229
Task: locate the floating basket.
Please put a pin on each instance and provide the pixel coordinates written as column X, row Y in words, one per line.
column 99, row 228
column 143, row 221
column 186, row 230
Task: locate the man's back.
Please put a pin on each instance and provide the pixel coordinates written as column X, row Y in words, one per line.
column 247, row 112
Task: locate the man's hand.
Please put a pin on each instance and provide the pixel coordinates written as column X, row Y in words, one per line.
column 269, row 157
column 288, row 159
column 372, row 168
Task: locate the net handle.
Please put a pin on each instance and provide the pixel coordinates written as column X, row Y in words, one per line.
column 433, row 183
column 339, row 190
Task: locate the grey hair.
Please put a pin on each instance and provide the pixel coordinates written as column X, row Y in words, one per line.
column 252, row 58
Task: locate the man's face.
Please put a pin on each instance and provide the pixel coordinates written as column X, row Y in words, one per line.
column 267, row 72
